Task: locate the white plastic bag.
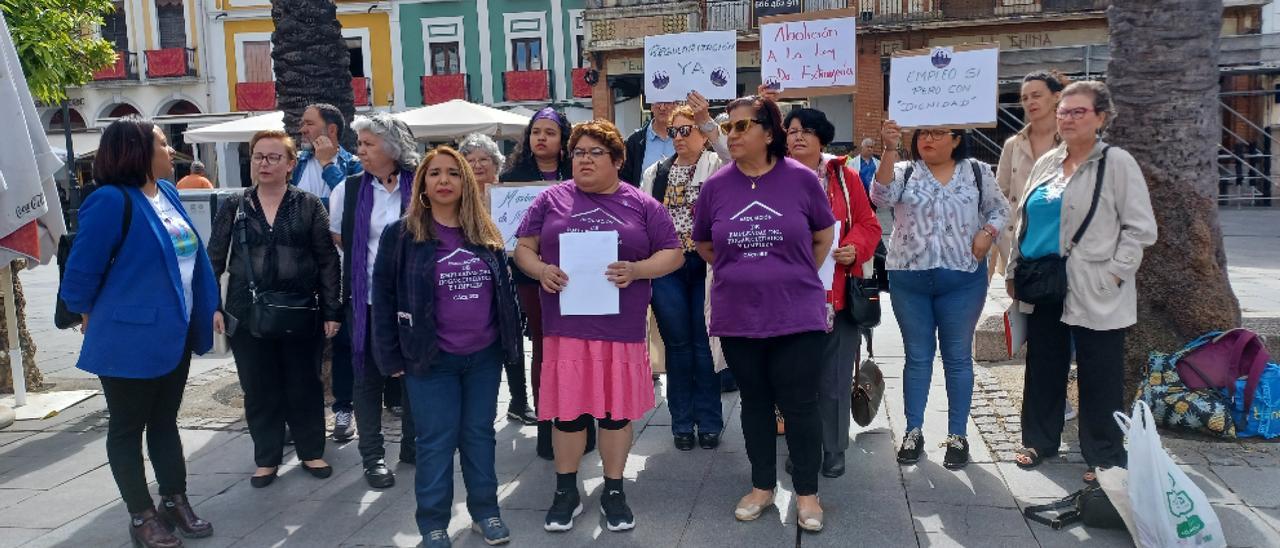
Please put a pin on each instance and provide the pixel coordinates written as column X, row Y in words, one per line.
column 1168, row 509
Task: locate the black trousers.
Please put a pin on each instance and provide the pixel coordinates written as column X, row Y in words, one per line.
column 367, row 397
column 781, row 371
column 1100, row 368
column 150, row 405
column 281, row 382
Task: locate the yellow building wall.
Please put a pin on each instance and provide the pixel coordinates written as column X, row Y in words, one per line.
column 379, row 50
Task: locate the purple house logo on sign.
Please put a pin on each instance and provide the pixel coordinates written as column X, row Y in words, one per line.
column 941, row 57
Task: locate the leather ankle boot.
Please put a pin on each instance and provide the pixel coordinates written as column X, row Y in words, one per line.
column 148, row 531
column 176, row 510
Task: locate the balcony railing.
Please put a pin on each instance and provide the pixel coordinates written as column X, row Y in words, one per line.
column 737, row 14
column 443, row 87
column 361, row 90
column 171, row 63
column 124, row 68
column 255, row 96
column 527, row 85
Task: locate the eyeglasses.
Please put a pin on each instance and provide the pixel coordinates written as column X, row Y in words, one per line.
column 802, row 131
column 268, row 159
column 595, row 153
column 741, row 126
column 1073, row 113
column 480, row 161
column 683, row 131
column 935, row 134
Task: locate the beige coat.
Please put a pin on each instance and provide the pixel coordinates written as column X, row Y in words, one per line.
column 1016, row 161
column 1123, row 226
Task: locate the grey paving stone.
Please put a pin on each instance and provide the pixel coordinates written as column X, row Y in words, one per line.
column 976, row 484
column 64, row 503
column 866, row 504
column 212, row 484
column 107, row 526
column 1243, row 527
column 16, row 536
column 1053, row 479
column 1269, row 516
column 13, row 497
column 1259, row 488
column 712, row 524
column 312, row 523
column 972, row 525
column 235, row 455
column 1213, row 487
column 7, row 437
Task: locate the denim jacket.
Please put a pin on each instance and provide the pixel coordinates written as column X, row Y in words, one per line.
column 344, row 165
column 404, row 286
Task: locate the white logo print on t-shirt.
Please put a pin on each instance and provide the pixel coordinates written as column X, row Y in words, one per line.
column 754, row 232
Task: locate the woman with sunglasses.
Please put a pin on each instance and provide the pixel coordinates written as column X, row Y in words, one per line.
column 1101, row 299
column 279, row 234
column 596, row 368
column 808, row 133
column 765, row 225
column 679, row 298
column 948, row 212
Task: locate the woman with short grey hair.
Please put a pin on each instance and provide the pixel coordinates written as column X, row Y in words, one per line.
column 485, row 159
column 484, row 156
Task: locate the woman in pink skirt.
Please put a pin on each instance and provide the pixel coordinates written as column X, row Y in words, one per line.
column 596, row 367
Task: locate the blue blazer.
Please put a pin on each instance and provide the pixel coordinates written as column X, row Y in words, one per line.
column 138, row 324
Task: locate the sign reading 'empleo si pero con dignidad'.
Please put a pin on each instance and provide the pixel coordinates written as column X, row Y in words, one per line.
column 944, row 86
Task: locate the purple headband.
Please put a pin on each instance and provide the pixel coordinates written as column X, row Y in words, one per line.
column 546, row 113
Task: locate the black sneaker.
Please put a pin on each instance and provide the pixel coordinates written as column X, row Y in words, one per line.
column 684, row 442
column 912, row 447
column 523, row 416
column 617, row 515
column 957, row 452
column 566, row 506
column 708, row 441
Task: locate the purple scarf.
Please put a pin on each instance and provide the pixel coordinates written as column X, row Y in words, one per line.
column 360, row 259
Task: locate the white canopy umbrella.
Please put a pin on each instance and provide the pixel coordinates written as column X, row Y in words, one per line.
column 457, row 118
column 236, row 131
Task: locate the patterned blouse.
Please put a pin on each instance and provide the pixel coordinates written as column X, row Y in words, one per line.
column 934, row 224
column 681, row 195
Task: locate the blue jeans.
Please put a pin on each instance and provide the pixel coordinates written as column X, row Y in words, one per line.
column 454, row 407
column 693, row 388
column 935, row 308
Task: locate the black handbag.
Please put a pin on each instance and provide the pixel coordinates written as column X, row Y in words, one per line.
column 861, row 295
column 1043, row 281
column 275, row 314
column 868, row 387
column 1089, row 506
column 64, row 318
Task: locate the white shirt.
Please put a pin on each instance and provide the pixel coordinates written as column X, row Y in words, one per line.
column 311, row 180
column 386, row 210
column 185, row 242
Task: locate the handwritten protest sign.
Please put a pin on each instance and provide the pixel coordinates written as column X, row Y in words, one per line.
column 944, row 86
column 809, row 57
column 508, row 203
column 675, row 64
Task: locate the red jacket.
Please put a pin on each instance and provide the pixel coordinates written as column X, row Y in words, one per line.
column 858, row 224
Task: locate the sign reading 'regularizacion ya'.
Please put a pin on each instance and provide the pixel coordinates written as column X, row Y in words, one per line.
column 944, row 86
column 818, row 55
column 676, row 64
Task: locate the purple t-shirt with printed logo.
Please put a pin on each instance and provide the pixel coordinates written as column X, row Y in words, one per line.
column 766, row 284
column 644, row 228
column 465, row 321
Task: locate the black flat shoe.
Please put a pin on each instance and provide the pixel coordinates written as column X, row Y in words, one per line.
column 957, row 452
column 709, row 440
column 832, row 465
column 684, row 442
column 912, row 447
column 379, row 476
column 263, row 481
column 321, row 472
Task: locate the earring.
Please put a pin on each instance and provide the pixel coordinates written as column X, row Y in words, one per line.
column 422, row 199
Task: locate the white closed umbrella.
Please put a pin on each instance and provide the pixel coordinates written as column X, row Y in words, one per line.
column 457, row 118
column 236, row 131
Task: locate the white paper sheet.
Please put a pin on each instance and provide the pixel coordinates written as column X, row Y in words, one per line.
column 1015, row 330
column 584, row 257
column 827, row 272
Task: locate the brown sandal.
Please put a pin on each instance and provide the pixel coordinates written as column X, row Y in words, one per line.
column 1091, row 476
column 1034, row 457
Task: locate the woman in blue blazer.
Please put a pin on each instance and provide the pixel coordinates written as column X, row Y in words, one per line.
column 144, row 313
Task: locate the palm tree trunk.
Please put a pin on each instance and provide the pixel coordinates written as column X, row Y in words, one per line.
column 312, row 63
column 1163, row 76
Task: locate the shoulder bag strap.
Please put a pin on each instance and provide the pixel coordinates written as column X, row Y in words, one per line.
column 242, row 239
column 662, row 177
column 977, row 180
column 1093, row 207
column 126, row 220
column 1033, row 513
column 848, row 207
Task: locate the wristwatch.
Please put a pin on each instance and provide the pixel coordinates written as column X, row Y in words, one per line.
column 709, row 126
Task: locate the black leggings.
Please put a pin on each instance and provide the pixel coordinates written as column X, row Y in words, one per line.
column 149, row 405
column 583, row 421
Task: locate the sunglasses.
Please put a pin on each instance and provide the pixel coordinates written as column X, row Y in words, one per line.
column 741, row 126
column 683, row 131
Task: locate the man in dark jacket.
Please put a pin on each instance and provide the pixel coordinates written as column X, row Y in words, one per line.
column 648, row 144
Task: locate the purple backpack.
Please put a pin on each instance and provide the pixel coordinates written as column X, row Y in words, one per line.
column 1220, row 358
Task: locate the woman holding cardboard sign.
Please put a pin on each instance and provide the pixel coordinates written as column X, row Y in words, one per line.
column 948, row 213
column 596, row 368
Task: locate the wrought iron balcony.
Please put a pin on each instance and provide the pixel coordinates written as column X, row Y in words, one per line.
column 527, row 85
column 171, row 63
column 125, row 67
column 443, row 87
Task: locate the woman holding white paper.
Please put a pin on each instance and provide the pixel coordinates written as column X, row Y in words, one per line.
column 595, row 367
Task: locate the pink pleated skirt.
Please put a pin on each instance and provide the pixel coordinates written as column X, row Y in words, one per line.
column 594, row 378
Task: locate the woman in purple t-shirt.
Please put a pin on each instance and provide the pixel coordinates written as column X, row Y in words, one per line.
column 765, row 225
column 445, row 319
column 596, row 367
